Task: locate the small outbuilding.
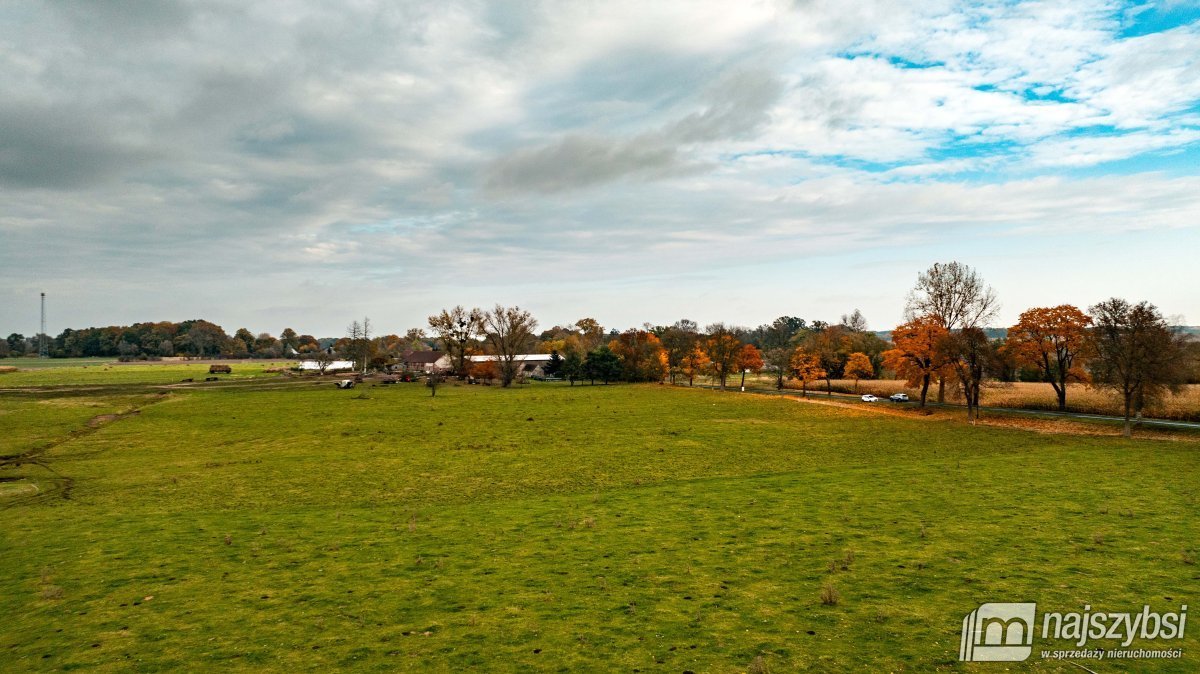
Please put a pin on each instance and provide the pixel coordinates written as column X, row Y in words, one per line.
column 528, row 364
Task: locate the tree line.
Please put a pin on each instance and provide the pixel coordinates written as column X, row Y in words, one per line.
column 1117, row 345
column 142, row 341
column 1128, row 348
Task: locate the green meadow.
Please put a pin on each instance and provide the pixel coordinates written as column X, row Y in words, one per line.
column 82, row 371
column 267, row 524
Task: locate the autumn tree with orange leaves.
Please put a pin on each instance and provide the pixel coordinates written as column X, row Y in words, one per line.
column 642, row 356
column 917, row 355
column 749, row 360
column 829, row 344
column 694, row 363
column 859, row 366
column 1055, row 341
column 722, row 348
column 806, row 366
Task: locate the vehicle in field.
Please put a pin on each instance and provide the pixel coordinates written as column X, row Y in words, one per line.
column 898, row 397
column 868, row 398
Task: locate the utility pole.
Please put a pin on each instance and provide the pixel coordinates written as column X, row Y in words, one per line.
column 43, row 351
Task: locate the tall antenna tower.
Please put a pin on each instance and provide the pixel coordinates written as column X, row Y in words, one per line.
column 42, row 346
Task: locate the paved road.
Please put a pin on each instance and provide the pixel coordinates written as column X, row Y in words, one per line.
column 1157, row 423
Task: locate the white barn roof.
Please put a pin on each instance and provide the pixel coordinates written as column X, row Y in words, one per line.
column 521, row 358
column 335, row 365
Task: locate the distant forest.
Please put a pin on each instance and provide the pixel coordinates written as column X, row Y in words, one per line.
column 193, row 338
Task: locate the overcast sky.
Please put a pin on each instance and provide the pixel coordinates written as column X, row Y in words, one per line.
column 266, row 165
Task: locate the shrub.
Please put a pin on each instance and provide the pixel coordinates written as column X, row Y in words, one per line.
column 829, row 595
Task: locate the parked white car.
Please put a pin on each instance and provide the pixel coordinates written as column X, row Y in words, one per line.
column 898, row 397
column 868, row 398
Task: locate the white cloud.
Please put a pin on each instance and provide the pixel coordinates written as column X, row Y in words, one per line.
column 331, row 149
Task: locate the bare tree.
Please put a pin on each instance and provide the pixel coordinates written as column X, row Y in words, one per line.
column 855, row 322
column 359, row 345
column 1136, row 354
column 324, row 358
column 509, row 330
column 955, row 294
column 457, row 329
column 970, row 355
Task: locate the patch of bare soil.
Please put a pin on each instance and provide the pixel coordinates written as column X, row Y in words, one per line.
column 101, row 419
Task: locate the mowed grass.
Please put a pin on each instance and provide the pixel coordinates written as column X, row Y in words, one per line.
column 254, row 527
column 110, row 373
column 34, row 363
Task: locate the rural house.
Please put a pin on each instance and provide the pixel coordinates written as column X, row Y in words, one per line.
column 425, row 361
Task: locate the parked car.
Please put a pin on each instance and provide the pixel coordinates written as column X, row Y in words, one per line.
column 898, row 397
column 868, row 398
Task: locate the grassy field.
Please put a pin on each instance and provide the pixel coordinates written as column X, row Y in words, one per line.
column 63, row 372
column 42, row 363
column 270, row 525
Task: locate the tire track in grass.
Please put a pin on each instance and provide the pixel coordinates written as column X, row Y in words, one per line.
column 62, row 485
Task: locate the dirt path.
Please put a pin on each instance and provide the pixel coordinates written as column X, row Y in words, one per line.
column 1000, row 420
column 62, row 485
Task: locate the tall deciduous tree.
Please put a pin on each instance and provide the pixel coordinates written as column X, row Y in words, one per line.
column 749, row 360
column 806, row 366
column 859, row 366
column 955, row 294
column 968, row 353
column 358, row 344
column 695, row 363
column 288, row 339
column 16, row 344
column 246, row 337
column 855, row 321
column 457, row 329
column 775, row 340
column 205, row 338
column 678, row 341
column 722, row 347
column 1137, row 354
column 642, row 356
column 916, row 355
column 591, row 333
column 509, row 331
column 829, row 344
column 1054, row 340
